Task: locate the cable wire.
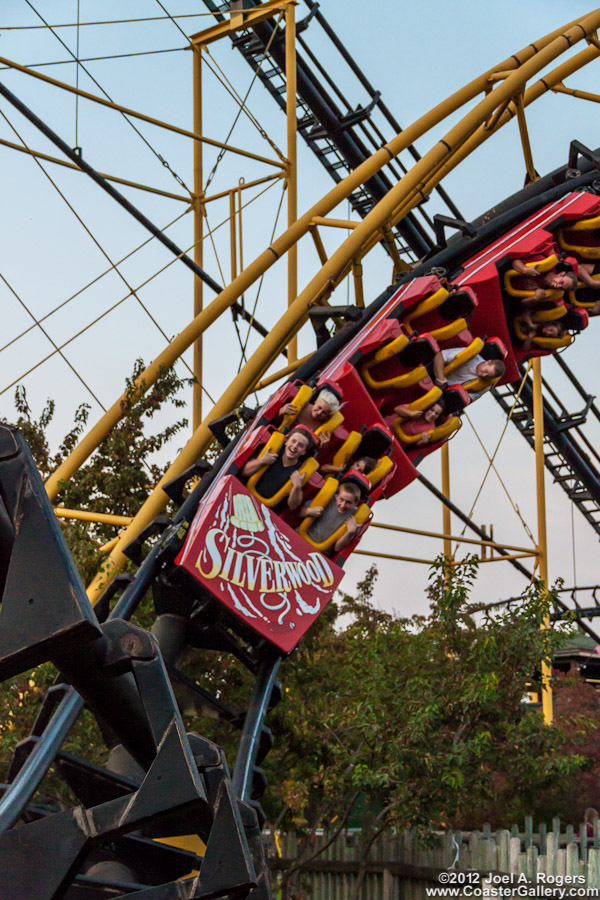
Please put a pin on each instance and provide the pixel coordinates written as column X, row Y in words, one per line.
column 491, row 461
column 100, row 88
column 262, row 278
column 243, row 106
column 122, row 300
column 77, row 83
column 90, row 283
column 226, row 84
column 106, row 22
column 65, row 62
column 92, row 236
column 56, row 347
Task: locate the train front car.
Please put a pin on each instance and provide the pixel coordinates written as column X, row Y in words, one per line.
column 519, row 284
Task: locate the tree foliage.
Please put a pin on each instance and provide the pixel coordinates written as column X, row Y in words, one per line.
column 117, row 476
column 386, row 721
column 423, row 716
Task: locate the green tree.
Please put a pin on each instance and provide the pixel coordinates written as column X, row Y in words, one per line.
column 386, row 721
column 117, row 476
column 415, row 723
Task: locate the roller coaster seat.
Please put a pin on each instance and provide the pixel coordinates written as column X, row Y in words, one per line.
column 516, row 285
column 362, row 482
column 306, row 394
column 437, row 435
column 539, row 341
column 399, row 363
column 330, row 386
column 456, row 398
column 444, row 314
column 581, row 238
column 576, row 319
column 275, row 445
column 323, row 498
column 283, row 395
column 585, row 297
column 376, row 441
column 494, row 348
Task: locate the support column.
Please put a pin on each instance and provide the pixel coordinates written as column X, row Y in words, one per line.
column 292, row 175
column 198, row 233
column 446, row 526
column 538, row 421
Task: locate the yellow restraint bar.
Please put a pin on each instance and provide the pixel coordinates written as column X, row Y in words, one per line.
column 426, row 305
column 446, row 332
column 275, row 445
column 544, row 343
column 583, row 304
column 348, row 449
column 544, row 265
column 549, row 315
column 436, row 434
column 581, row 249
column 383, row 467
column 300, row 400
column 325, row 496
column 463, row 356
column 399, row 381
column 331, row 424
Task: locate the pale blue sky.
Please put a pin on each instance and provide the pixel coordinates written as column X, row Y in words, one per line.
column 416, row 54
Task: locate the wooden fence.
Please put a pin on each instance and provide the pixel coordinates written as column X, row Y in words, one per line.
column 402, row 867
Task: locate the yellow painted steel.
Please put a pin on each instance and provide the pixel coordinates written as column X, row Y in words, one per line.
column 318, row 244
column 573, row 92
column 527, row 551
column 462, row 138
column 239, row 20
column 400, row 265
column 245, row 185
column 532, row 175
column 199, row 213
column 427, row 305
column 292, row 170
column 85, row 515
column 138, row 115
column 276, row 376
column 334, row 223
column 430, row 562
column 427, row 172
column 540, row 471
column 446, row 514
column 435, row 434
column 69, row 165
column 395, row 556
column 383, row 468
column 357, row 273
column 106, row 548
